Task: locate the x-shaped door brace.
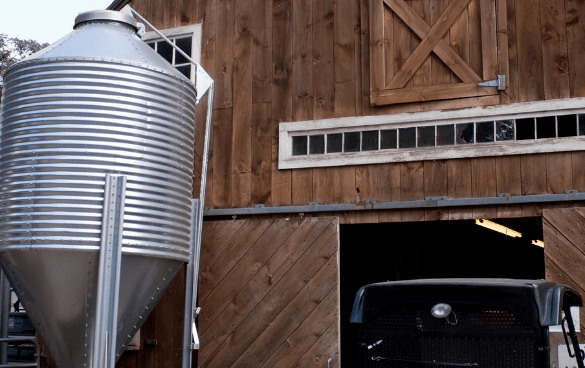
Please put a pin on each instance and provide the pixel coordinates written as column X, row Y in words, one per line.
column 431, row 40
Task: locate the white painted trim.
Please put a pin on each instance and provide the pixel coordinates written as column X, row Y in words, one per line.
column 478, row 114
column 194, row 30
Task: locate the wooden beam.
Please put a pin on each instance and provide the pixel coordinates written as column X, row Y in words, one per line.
column 430, row 93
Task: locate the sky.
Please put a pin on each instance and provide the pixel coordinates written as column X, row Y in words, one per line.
column 43, row 20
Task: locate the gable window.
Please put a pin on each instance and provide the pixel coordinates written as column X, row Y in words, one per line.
column 434, row 50
column 187, row 38
column 522, row 128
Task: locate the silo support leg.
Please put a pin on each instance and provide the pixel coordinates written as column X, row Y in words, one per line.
column 190, row 336
column 103, row 354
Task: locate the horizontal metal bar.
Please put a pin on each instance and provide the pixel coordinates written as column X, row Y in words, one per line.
column 430, row 202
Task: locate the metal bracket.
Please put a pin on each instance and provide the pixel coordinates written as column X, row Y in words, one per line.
column 500, row 82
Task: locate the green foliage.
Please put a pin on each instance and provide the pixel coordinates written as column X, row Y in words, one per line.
column 12, row 50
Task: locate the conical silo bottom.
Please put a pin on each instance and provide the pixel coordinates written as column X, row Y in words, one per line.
column 58, row 290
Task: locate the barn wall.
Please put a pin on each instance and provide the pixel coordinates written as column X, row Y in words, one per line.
column 307, row 59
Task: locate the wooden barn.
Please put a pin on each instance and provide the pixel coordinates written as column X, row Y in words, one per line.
column 357, row 141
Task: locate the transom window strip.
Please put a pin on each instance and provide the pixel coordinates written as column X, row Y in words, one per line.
column 553, row 126
column 172, row 56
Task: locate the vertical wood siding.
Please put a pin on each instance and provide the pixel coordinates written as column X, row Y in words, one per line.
column 293, row 60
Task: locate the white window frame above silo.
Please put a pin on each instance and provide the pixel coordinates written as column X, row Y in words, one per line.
column 194, row 31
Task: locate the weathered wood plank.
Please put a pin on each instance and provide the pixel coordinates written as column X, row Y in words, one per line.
column 559, row 175
column 366, row 183
column 436, row 176
column 297, row 257
column 412, row 188
column 224, row 55
column 308, row 274
column 321, row 289
column 302, row 187
column 344, row 184
column 531, row 76
column 430, row 93
column 246, row 268
column 261, row 153
column 164, row 328
column 577, row 160
column 512, row 88
column 388, row 48
column 508, row 180
column 326, row 347
column 282, row 94
column 214, row 241
column 311, row 329
column 459, row 42
column 554, row 49
column 323, row 66
column 403, row 46
column 489, row 43
column 365, row 57
column 222, row 178
column 302, row 38
column 459, row 186
column 474, row 37
column 502, row 52
column 389, row 182
column 575, row 22
column 377, row 45
column 343, row 59
column 323, row 183
column 533, row 174
column 242, row 102
column 484, row 184
column 570, row 222
column 262, row 52
column 216, row 269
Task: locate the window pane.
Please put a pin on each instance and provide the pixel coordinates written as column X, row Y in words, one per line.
column 484, row 132
column 185, row 45
column 166, row 51
column 426, row 136
column 352, row 142
column 505, row 130
column 299, row 145
column 545, row 127
column 567, row 125
column 316, row 144
column 370, row 140
column 464, row 133
column 388, row 139
column 151, row 44
column 185, row 70
column 334, row 143
column 525, row 129
column 445, row 135
column 581, row 124
column 407, row 137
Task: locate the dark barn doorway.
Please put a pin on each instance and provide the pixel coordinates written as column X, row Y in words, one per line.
column 372, row 253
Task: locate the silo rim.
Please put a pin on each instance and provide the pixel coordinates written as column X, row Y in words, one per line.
column 105, row 15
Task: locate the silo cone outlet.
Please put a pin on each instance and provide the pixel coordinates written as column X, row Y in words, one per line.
column 99, row 101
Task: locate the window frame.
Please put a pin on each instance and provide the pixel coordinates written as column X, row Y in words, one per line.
column 420, row 119
column 193, row 30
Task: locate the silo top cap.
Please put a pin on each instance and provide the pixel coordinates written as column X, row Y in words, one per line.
column 105, row 15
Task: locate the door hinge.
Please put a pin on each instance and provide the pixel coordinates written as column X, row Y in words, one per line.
column 500, row 82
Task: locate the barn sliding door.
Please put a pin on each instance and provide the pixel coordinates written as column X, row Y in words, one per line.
column 564, row 249
column 425, row 50
column 269, row 293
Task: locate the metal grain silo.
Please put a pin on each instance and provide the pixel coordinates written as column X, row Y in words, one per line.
column 99, row 101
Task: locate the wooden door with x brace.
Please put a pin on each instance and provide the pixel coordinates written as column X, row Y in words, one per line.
column 425, row 50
